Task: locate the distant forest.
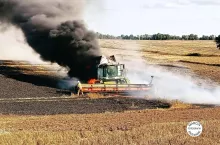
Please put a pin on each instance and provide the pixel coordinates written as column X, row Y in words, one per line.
column 157, row 36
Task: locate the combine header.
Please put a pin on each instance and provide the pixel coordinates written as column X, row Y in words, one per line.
column 110, row 77
column 117, row 88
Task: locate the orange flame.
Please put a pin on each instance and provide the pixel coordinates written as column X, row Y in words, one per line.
column 92, row 81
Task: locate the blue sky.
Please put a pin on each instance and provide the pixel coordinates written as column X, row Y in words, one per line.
column 152, row 16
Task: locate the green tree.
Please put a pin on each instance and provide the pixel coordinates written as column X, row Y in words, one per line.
column 185, row 37
column 204, row 37
column 212, row 37
column 193, row 37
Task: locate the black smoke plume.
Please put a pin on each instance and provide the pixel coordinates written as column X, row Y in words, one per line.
column 217, row 40
column 53, row 28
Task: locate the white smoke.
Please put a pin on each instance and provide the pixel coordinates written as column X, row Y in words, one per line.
column 67, row 83
column 169, row 85
column 14, row 47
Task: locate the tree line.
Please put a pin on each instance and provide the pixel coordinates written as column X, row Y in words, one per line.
column 157, row 36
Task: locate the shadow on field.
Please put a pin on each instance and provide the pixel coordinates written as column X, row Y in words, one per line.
column 27, row 75
column 77, row 106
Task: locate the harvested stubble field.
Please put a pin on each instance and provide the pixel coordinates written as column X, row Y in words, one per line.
column 33, row 113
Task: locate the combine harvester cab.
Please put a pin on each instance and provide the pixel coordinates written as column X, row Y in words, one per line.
column 111, row 78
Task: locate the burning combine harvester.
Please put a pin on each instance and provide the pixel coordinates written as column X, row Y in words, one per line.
column 109, row 76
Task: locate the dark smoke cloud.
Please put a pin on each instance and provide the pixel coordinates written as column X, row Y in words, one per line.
column 217, row 40
column 52, row 28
